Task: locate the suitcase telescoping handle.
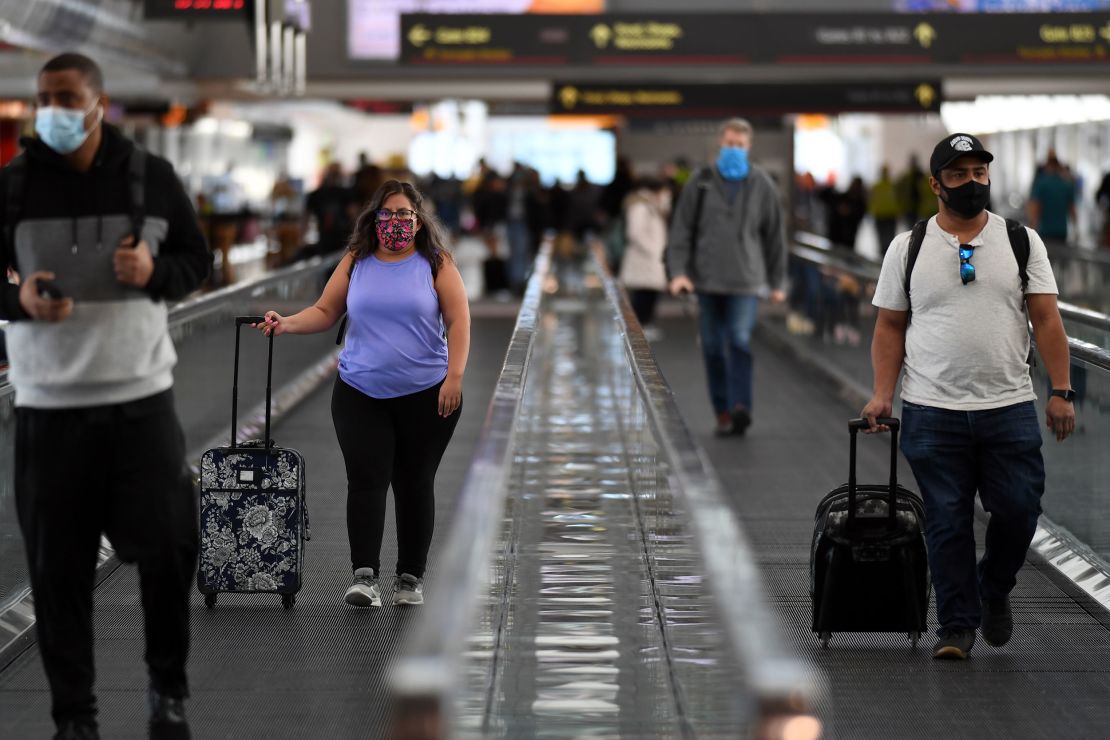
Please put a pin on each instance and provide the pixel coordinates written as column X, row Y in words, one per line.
column 854, row 426
column 239, row 322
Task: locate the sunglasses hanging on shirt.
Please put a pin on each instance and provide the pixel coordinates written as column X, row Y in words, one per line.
column 967, row 270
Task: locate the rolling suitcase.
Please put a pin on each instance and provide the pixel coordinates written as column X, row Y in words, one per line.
column 868, row 570
column 253, row 518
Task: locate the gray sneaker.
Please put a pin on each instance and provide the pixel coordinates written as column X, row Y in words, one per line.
column 409, row 590
column 954, row 644
column 365, row 590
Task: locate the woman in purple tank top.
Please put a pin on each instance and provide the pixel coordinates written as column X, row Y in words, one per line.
column 399, row 391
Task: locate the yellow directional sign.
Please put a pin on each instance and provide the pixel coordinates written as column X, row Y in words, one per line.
column 568, row 96
column 1104, row 32
column 925, row 34
column 601, row 35
column 419, row 35
column 925, row 94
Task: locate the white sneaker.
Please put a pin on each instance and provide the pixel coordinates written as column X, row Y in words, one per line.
column 409, row 590
column 365, row 590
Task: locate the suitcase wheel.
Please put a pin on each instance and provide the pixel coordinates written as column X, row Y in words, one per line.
column 288, row 600
column 825, row 636
column 210, row 601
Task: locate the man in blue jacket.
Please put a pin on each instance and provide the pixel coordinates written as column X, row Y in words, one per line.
column 102, row 235
column 727, row 244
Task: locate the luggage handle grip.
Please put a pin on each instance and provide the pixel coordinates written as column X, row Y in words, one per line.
column 854, row 425
column 239, row 322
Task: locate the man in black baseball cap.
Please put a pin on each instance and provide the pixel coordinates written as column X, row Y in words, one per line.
column 952, row 147
column 976, row 281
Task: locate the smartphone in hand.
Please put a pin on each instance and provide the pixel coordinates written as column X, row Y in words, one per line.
column 49, row 289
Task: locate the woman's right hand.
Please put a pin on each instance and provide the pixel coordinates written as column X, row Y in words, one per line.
column 274, row 324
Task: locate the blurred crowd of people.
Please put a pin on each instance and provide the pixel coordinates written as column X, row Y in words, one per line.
column 827, row 303
column 509, row 214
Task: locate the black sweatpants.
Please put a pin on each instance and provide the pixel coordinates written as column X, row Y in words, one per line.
column 117, row 470
column 398, row 441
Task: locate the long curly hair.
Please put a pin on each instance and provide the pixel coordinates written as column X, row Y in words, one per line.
column 429, row 237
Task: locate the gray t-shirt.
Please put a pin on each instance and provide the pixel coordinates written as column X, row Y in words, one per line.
column 966, row 345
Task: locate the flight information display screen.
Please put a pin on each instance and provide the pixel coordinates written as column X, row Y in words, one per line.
column 374, row 26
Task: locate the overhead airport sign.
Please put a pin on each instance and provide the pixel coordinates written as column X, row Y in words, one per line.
column 197, row 9
column 757, row 38
column 718, row 101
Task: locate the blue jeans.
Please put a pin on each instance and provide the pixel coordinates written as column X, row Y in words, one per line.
column 726, row 323
column 953, row 454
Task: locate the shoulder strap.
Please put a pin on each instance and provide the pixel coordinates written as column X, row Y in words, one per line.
column 1019, row 242
column 917, row 236
column 13, row 210
column 701, row 182
column 136, row 184
column 342, row 331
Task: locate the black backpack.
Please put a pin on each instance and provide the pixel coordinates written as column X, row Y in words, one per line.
column 1019, row 242
column 17, row 180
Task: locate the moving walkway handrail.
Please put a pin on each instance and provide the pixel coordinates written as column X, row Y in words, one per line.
column 224, row 299
column 782, row 684
column 818, row 251
column 423, row 678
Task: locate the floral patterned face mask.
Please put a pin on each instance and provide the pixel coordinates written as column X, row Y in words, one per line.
column 396, row 234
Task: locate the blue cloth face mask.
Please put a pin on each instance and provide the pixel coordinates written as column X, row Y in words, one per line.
column 63, row 129
column 732, row 163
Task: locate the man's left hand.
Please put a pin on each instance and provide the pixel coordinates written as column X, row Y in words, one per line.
column 1060, row 417
column 778, row 296
column 133, row 264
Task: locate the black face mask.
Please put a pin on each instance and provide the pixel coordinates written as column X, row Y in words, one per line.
column 968, row 200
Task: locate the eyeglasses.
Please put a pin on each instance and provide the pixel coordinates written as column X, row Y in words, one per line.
column 967, row 270
column 403, row 214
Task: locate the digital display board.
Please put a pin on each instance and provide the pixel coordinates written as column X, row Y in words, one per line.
column 196, row 9
column 720, row 101
column 760, row 38
column 1000, row 6
column 374, row 26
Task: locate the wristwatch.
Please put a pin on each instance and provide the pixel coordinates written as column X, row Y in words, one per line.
column 1065, row 393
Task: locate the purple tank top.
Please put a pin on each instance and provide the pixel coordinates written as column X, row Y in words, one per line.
column 394, row 344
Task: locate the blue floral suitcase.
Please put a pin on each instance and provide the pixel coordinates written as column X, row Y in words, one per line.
column 253, row 518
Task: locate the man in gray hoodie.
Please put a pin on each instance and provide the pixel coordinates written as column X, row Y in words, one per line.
column 103, row 236
column 727, row 245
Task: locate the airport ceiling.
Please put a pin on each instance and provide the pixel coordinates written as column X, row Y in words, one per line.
column 184, row 62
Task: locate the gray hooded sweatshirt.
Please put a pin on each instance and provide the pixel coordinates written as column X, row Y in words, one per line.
column 741, row 246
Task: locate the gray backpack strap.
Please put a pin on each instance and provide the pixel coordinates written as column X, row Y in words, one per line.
column 13, row 209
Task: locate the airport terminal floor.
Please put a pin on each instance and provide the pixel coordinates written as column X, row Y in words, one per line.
column 603, row 610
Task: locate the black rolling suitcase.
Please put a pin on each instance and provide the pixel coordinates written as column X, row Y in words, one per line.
column 253, row 519
column 868, row 570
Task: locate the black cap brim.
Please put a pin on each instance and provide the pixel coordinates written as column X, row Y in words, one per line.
column 982, row 154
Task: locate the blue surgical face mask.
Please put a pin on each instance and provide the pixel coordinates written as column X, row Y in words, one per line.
column 732, row 163
column 63, row 129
